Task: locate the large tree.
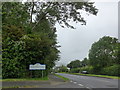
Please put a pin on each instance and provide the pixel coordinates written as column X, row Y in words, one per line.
column 103, row 53
column 61, row 12
column 74, row 64
column 27, row 41
column 85, row 62
column 21, row 47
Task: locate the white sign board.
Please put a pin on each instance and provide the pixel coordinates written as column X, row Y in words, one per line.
column 37, row 66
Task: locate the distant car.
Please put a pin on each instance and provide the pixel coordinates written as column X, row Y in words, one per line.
column 84, row 72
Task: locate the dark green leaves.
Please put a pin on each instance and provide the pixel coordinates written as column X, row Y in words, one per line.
column 28, row 40
column 104, row 53
column 64, row 12
column 22, row 46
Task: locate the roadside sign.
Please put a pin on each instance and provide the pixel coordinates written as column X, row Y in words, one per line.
column 37, row 66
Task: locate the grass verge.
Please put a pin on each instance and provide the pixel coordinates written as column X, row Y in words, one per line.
column 64, row 78
column 27, row 79
column 4, row 88
column 27, row 86
column 104, row 76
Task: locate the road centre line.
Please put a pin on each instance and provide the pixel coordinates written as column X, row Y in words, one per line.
column 80, row 84
column 89, row 88
column 74, row 82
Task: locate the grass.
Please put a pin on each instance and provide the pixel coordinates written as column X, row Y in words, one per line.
column 64, row 78
column 4, row 88
column 26, row 79
column 0, row 76
column 104, row 76
column 26, row 86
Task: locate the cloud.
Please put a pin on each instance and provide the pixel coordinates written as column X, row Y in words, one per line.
column 75, row 44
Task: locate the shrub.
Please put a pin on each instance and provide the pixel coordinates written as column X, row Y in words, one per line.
column 75, row 70
column 111, row 70
column 89, row 69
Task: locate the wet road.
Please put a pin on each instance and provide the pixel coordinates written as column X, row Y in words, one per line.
column 91, row 82
column 76, row 82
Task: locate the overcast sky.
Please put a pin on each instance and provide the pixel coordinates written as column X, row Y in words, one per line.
column 75, row 44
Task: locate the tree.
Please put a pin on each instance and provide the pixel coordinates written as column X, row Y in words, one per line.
column 14, row 22
column 103, row 53
column 14, row 13
column 61, row 12
column 85, row 62
column 27, row 41
column 21, row 47
column 74, row 64
column 63, row 69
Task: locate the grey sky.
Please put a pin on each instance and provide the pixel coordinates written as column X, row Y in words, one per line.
column 75, row 44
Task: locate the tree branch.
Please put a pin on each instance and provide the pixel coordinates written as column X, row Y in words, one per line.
column 32, row 12
column 41, row 17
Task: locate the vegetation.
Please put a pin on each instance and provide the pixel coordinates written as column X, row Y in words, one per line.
column 26, row 79
column 61, row 68
column 93, row 75
column 64, row 78
column 89, row 69
column 74, row 64
column 4, row 88
column 78, row 63
column 29, row 35
column 103, row 58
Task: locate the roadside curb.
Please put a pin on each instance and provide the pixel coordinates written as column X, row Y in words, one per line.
column 62, row 78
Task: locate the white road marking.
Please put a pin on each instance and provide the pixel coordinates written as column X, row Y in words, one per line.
column 89, row 88
column 71, row 81
column 80, row 84
column 74, row 82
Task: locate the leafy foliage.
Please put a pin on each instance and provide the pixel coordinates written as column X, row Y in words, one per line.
column 75, row 70
column 103, row 58
column 74, row 64
column 27, row 41
column 111, row 70
column 61, row 12
column 12, row 56
column 85, row 62
column 14, row 13
column 63, row 69
column 78, row 63
column 22, row 48
column 104, row 53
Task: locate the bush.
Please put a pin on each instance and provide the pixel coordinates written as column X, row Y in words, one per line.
column 89, row 69
column 75, row 70
column 111, row 70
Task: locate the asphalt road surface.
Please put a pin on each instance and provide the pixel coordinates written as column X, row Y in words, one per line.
column 91, row 82
column 75, row 81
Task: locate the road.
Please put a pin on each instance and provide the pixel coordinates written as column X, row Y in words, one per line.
column 75, row 81
column 91, row 82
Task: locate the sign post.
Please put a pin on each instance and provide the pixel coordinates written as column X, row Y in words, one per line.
column 42, row 73
column 37, row 66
